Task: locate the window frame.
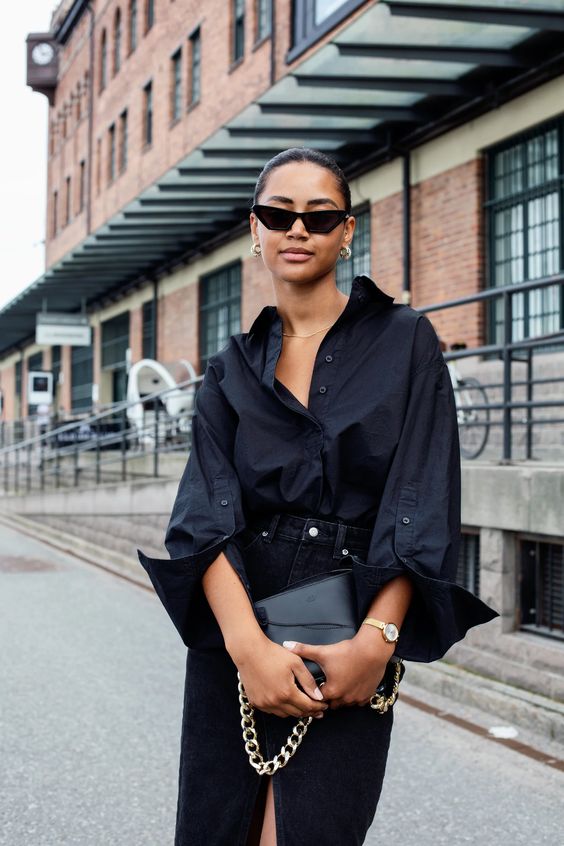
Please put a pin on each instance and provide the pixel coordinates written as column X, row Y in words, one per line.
column 305, row 32
column 133, row 23
column 176, row 99
column 123, row 140
column 195, row 64
column 263, row 31
column 117, row 42
column 237, row 28
column 111, row 153
column 350, row 265
column 492, row 204
column 148, row 115
column 103, row 77
column 234, row 324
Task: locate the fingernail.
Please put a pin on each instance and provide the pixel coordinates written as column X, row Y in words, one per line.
column 318, row 716
column 289, row 644
column 317, row 693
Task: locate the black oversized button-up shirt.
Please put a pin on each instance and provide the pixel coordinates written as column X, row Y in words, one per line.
column 377, row 447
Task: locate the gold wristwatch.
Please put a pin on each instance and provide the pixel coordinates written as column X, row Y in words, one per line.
column 390, row 631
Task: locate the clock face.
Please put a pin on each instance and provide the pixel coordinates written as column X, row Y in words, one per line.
column 391, row 631
column 42, row 53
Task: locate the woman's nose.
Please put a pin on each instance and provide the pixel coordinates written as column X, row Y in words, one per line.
column 297, row 227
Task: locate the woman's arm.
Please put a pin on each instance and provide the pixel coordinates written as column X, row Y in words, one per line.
column 268, row 671
column 354, row 668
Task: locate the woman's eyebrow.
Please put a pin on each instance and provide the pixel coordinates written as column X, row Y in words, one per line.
column 317, row 202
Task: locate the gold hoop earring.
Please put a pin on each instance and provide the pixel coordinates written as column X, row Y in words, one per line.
column 345, row 252
column 255, row 250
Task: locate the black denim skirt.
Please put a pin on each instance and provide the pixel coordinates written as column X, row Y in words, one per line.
column 329, row 791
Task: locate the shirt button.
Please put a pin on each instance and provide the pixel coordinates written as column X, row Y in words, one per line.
column 322, row 389
column 329, row 359
column 345, row 551
column 314, row 532
column 405, row 520
column 224, row 502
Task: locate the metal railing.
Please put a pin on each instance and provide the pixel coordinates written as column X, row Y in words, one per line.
column 112, row 445
column 109, row 446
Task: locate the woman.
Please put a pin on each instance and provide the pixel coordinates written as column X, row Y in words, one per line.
column 325, row 437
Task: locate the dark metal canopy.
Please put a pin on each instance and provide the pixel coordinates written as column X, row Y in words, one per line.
column 403, row 72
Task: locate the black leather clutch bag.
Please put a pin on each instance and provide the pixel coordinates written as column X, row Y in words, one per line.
column 318, row 610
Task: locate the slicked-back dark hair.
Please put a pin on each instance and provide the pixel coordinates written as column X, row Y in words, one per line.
column 304, row 154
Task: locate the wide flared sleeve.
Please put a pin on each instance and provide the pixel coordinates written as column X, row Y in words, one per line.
column 417, row 528
column 206, row 519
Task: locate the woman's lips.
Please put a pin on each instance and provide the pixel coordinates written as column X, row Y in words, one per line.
column 296, row 257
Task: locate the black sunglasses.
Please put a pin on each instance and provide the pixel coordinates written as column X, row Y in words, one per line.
column 314, row 221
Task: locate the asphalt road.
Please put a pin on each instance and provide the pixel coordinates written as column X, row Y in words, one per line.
column 91, row 676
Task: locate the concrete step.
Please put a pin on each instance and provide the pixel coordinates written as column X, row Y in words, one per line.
column 532, row 712
column 121, row 533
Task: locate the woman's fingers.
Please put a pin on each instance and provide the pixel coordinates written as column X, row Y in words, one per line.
column 307, row 682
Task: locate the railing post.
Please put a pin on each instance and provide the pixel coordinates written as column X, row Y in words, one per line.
column 42, row 464
column 57, row 467
column 17, row 472
column 507, row 359
column 529, row 440
column 123, row 447
column 28, row 468
column 156, row 447
column 75, row 462
column 98, row 468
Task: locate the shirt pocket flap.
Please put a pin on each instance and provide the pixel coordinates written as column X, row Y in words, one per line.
column 406, row 513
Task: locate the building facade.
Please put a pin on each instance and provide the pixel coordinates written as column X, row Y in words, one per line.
column 448, row 120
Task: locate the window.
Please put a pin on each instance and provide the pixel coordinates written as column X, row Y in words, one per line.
column 359, row 262
column 313, row 18
column 115, row 342
column 263, row 18
column 112, row 153
column 149, row 14
column 55, row 218
column 123, row 141
column 52, row 134
column 238, row 29
column 117, row 41
column 176, row 86
column 81, row 186
column 67, row 200
column 78, row 101
column 148, row 115
column 132, row 25
column 81, row 378
column 103, row 61
column 195, row 66
column 542, row 587
column 55, row 370
column 220, row 310
column 524, row 213
column 18, row 386
column 149, row 337
column 98, row 165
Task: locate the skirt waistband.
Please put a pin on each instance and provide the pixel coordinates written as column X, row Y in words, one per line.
column 342, row 537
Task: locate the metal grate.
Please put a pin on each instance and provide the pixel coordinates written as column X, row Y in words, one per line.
column 468, row 570
column 81, row 378
column 542, row 587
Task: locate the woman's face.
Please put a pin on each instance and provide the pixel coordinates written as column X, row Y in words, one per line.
column 298, row 255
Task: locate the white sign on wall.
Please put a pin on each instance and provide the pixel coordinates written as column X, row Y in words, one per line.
column 39, row 387
column 54, row 328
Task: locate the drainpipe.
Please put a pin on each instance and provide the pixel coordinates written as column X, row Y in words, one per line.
column 154, row 320
column 90, row 11
column 406, row 290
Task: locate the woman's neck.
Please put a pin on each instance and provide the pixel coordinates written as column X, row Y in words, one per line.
column 305, row 308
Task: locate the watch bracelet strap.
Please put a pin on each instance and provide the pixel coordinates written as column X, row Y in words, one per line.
column 378, row 624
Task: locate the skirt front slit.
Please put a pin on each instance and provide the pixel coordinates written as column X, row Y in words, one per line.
column 329, row 791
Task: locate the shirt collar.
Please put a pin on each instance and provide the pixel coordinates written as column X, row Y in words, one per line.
column 363, row 290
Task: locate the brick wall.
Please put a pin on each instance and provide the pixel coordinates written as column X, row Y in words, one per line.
column 136, row 333
column 447, row 248
column 177, row 326
column 8, row 386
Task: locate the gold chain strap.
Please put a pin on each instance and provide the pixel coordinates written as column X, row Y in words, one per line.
column 378, row 703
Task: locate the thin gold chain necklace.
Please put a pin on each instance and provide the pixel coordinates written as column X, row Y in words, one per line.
column 310, row 334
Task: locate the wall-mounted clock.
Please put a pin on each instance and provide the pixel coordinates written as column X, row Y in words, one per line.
column 42, row 53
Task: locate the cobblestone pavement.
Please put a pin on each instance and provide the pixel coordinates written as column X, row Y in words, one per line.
column 91, row 676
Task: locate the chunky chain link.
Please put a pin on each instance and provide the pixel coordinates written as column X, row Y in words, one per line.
column 378, row 703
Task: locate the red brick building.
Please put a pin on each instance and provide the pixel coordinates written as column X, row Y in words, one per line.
column 448, row 122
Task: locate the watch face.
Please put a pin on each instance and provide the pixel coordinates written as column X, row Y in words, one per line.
column 42, row 53
column 391, row 631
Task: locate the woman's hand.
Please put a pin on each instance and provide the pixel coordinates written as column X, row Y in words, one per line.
column 269, row 673
column 353, row 668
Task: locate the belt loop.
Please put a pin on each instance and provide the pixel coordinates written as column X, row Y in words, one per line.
column 340, row 541
column 269, row 537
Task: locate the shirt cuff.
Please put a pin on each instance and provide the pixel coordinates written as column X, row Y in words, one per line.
column 439, row 615
column 178, row 584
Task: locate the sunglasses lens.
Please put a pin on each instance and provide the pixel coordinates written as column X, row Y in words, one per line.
column 322, row 221
column 274, row 218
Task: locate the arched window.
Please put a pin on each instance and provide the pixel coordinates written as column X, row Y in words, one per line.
column 103, row 61
column 132, row 25
column 117, row 41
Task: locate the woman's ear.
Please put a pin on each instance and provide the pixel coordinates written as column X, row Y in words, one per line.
column 350, row 224
column 253, row 221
